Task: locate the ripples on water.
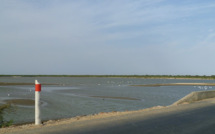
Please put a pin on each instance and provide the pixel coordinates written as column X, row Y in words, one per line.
column 82, row 96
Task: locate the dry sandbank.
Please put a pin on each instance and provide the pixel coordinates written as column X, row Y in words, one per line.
column 176, row 84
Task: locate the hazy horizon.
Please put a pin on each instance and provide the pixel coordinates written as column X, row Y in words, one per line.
column 114, row 37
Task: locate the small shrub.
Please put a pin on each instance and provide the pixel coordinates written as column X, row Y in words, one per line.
column 4, row 123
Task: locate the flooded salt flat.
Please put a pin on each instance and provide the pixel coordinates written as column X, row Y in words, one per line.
column 74, row 96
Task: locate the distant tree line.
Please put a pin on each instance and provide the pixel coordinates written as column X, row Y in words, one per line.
column 124, row 76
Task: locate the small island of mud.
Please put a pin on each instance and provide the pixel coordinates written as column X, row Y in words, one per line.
column 23, row 102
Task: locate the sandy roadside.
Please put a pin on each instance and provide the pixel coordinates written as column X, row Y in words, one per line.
column 79, row 120
column 76, row 119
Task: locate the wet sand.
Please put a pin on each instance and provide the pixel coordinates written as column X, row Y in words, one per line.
column 176, row 84
column 110, row 97
column 22, row 102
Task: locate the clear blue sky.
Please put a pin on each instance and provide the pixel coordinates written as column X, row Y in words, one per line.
column 165, row 37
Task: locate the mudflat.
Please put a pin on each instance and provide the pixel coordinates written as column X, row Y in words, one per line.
column 111, row 97
column 25, row 102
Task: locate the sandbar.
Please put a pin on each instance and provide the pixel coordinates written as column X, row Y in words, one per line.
column 110, row 97
column 176, row 84
column 24, row 102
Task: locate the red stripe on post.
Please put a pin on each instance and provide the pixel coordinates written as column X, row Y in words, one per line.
column 38, row 87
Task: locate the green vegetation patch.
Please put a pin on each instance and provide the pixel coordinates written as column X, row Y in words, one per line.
column 3, row 122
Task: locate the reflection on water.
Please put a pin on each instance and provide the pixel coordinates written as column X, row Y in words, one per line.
column 82, row 96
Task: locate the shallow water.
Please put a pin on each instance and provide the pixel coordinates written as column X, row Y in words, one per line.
column 75, row 96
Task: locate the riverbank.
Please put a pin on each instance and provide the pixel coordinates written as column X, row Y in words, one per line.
column 111, row 120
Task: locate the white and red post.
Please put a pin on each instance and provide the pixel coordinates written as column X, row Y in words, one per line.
column 37, row 103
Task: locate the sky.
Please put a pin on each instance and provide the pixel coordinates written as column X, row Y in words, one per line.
column 111, row 37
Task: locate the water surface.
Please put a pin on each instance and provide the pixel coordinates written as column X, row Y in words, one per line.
column 74, row 96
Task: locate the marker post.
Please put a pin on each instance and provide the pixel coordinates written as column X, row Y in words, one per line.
column 37, row 103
